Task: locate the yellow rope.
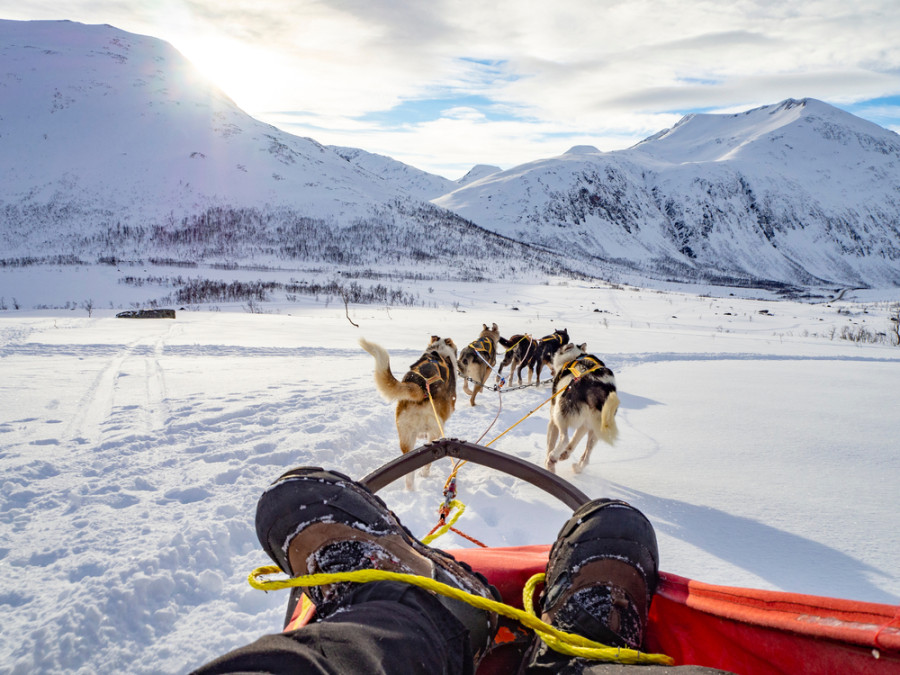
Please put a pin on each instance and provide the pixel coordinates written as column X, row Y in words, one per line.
column 455, row 504
column 516, row 343
column 508, row 429
column 528, row 415
column 434, row 409
column 459, row 464
column 574, row 645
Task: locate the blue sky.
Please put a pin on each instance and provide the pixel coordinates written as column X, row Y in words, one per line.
column 447, row 84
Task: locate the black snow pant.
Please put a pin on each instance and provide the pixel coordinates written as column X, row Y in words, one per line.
column 389, row 628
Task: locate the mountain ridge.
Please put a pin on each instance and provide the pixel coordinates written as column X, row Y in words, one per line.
column 798, row 191
column 112, row 145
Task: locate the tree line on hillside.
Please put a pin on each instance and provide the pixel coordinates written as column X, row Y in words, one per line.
column 196, row 291
column 421, row 236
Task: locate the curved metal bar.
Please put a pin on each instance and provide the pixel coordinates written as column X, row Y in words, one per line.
column 549, row 482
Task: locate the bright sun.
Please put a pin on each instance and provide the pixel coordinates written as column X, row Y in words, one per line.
column 236, row 68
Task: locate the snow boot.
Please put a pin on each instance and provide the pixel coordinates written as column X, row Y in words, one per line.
column 602, row 574
column 312, row 520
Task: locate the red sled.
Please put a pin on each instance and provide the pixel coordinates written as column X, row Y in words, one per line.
column 741, row 630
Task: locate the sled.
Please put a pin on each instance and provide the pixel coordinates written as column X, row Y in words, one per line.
column 741, row 630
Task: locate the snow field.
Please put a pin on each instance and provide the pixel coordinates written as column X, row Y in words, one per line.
column 133, row 453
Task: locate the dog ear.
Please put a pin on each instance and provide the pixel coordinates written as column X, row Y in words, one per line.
column 434, row 338
column 494, row 327
column 583, row 347
column 484, row 326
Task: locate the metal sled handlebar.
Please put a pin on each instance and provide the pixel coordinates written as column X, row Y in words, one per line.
column 549, row 482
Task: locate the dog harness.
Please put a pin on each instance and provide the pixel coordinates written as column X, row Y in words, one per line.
column 516, row 343
column 484, row 345
column 584, row 364
column 553, row 337
column 431, row 369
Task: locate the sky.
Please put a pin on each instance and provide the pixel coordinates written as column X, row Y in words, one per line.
column 444, row 85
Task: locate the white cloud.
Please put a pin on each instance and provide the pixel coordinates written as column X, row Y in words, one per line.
column 610, row 71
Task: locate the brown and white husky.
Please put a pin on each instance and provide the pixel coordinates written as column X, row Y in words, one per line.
column 434, row 373
column 477, row 360
column 589, row 404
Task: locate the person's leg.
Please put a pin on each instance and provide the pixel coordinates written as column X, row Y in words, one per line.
column 386, row 628
column 315, row 521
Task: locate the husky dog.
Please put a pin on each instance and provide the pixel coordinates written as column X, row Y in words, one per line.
column 518, row 350
column 417, row 413
column 589, row 404
column 524, row 352
column 546, row 349
column 477, row 359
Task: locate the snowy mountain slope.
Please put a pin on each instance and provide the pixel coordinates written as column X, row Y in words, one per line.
column 477, row 172
column 114, row 121
column 799, row 192
column 112, row 147
column 417, row 183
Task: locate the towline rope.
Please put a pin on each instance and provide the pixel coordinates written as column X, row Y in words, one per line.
column 503, row 386
column 437, row 418
column 450, row 485
column 443, row 527
column 560, row 641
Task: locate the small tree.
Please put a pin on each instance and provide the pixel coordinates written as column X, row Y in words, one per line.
column 88, row 306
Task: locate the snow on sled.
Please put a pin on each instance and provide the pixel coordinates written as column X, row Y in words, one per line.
column 737, row 629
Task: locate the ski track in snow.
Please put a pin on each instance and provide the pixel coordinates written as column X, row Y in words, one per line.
column 134, row 452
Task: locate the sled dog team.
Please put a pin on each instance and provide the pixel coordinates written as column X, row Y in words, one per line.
column 584, row 389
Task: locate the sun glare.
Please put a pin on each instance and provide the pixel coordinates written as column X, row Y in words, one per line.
column 233, row 67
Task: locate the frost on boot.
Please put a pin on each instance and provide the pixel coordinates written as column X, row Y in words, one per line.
column 605, row 613
column 602, row 574
column 311, row 520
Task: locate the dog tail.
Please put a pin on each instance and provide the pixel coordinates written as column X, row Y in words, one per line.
column 506, row 343
column 608, row 430
column 385, row 382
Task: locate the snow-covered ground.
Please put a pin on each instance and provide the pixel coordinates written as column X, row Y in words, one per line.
column 132, row 452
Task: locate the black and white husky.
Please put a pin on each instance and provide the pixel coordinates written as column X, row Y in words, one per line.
column 588, row 404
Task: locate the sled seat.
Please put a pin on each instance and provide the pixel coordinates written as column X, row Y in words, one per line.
column 737, row 629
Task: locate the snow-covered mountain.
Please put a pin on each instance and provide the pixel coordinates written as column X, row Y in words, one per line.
column 478, row 172
column 111, row 121
column 417, row 183
column 798, row 192
column 112, row 146
column 420, row 184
